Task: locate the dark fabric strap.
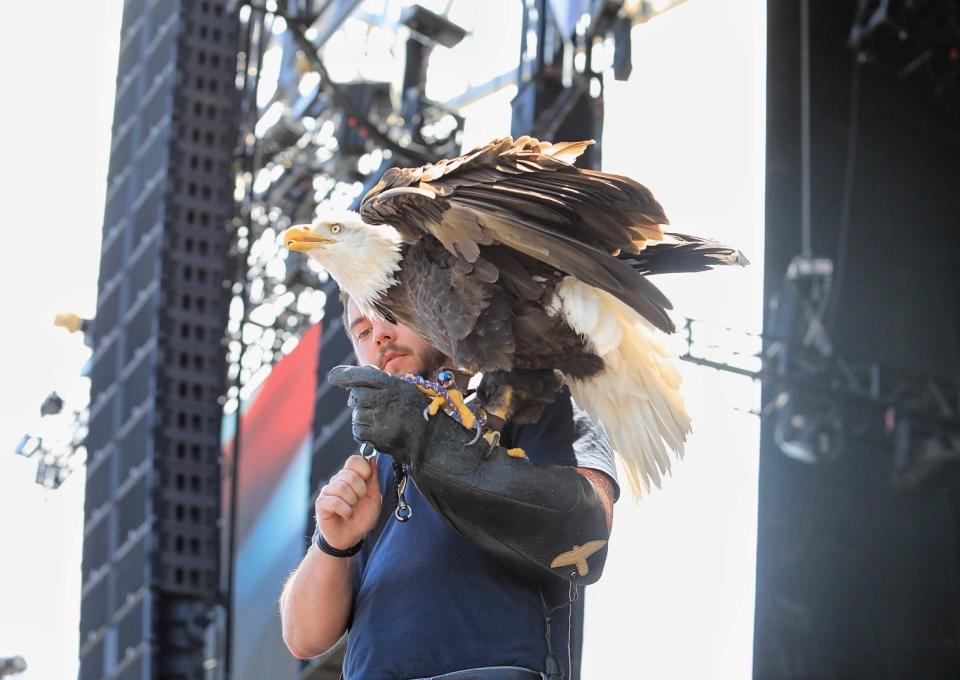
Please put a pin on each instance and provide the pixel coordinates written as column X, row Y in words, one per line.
column 323, row 546
column 490, row 673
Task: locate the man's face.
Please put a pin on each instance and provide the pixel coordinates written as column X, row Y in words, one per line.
column 394, row 349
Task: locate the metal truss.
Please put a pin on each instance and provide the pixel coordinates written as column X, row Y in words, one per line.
column 58, row 448
column 864, row 401
column 913, row 40
column 307, row 141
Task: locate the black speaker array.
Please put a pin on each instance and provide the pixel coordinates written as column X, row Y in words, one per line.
column 151, row 543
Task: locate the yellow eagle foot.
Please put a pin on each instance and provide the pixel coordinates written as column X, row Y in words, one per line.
column 437, row 400
column 442, row 393
column 433, row 408
column 467, row 417
column 493, row 439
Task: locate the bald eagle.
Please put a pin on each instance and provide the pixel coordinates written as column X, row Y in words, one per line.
column 517, row 264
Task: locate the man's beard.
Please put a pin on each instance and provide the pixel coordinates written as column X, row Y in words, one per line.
column 428, row 361
column 431, row 361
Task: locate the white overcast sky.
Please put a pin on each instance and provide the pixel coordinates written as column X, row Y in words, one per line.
column 677, row 598
column 60, row 60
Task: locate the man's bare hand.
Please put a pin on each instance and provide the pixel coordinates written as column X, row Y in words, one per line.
column 349, row 505
column 316, row 601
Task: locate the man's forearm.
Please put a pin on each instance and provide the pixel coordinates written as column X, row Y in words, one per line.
column 315, row 604
column 541, row 520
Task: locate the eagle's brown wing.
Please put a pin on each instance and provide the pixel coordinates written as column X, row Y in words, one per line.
column 527, row 195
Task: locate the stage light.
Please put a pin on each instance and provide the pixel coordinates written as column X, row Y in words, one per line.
column 12, row 665
column 28, row 446
column 433, row 27
column 75, row 324
column 807, row 429
column 926, row 456
column 52, row 405
column 72, row 322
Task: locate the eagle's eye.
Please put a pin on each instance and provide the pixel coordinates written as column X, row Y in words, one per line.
column 336, row 228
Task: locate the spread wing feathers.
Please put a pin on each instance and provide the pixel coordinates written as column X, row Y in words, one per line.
column 585, row 262
column 526, row 195
column 454, row 305
column 683, row 253
column 442, row 299
column 637, row 394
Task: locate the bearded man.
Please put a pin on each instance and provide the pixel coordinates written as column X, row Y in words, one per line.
column 486, row 579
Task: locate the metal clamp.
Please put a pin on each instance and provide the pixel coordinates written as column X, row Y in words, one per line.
column 403, row 511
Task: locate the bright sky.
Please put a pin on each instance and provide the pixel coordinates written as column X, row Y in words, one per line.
column 58, row 85
column 677, row 598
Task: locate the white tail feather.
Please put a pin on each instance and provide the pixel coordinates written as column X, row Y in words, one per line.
column 637, row 395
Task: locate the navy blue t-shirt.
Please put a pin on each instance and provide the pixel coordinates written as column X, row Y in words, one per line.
column 428, row 601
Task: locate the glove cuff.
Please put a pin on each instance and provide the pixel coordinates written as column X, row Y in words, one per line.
column 544, row 521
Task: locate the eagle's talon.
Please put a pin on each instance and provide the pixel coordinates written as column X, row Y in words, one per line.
column 437, row 399
column 478, row 432
column 433, row 408
column 441, row 394
column 493, row 438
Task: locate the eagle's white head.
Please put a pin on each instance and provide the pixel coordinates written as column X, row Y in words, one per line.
column 363, row 258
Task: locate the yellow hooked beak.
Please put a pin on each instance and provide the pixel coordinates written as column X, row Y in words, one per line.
column 301, row 240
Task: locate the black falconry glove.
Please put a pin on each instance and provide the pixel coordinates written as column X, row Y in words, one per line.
column 541, row 520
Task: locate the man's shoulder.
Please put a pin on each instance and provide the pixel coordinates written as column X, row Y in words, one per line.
column 566, row 435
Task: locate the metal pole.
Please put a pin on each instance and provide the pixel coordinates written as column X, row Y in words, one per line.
column 261, row 35
column 805, row 239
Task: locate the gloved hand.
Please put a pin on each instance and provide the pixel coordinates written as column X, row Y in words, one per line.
column 387, row 411
column 544, row 521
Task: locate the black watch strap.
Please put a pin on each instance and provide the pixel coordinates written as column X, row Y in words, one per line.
column 323, row 546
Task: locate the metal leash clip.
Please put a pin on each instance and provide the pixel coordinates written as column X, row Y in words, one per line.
column 403, row 511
